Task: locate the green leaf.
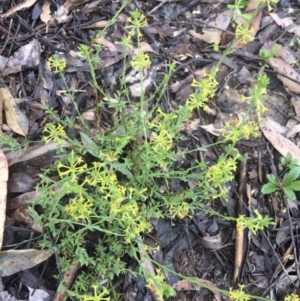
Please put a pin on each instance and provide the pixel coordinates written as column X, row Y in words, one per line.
column 290, row 194
column 272, row 179
column 91, row 146
column 294, row 186
column 120, row 167
column 269, row 188
column 291, row 176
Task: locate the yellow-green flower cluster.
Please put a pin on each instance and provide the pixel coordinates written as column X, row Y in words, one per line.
column 54, row 133
column 136, row 21
column 239, row 295
column 56, row 63
column 292, row 297
column 244, row 33
column 141, row 61
column 259, row 92
column 75, row 167
column 158, row 286
column 163, row 139
column 269, row 2
column 206, row 88
column 79, row 208
column 103, row 296
column 222, row 172
column 238, row 130
column 254, row 224
column 181, row 211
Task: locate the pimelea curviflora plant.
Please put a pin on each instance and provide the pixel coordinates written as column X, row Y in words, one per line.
column 111, row 183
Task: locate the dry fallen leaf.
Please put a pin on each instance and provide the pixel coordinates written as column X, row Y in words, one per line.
column 282, row 144
column 3, row 193
column 22, row 216
column 286, row 23
column 28, row 56
column 14, row 261
column 284, row 68
column 210, row 36
column 16, row 8
column 15, row 118
column 46, row 14
column 32, row 152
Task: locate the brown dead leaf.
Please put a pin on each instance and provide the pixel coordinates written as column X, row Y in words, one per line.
column 185, row 285
column 46, row 14
column 295, row 100
column 99, row 24
column 284, row 68
column 32, row 152
column 61, row 15
column 210, row 36
column 282, row 144
column 14, row 261
column 107, row 44
column 22, row 216
column 28, row 56
column 3, row 193
column 15, row 118
column 22, row 199
column 144, row 47
column 16, row 8
column 286, row 22
column 191, row 126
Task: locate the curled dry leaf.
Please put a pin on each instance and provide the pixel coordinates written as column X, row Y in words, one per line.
column 22, row 216
column 15, row 118
column 16, row 8
column 3, row 193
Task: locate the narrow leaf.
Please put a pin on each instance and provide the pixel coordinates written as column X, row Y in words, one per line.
column 91, row 146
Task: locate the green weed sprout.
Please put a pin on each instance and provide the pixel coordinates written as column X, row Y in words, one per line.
column 289, row 183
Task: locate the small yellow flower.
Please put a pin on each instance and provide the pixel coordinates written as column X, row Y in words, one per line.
column 239, row 295
column 56, row 63
column 141, row 61
column 244, row 33
column 162, row 141
column 79, row 208
column 55, row 133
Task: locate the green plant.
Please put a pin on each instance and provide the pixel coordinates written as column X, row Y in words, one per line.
column 288, row 184
column 266, row 54
column 113, row 182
